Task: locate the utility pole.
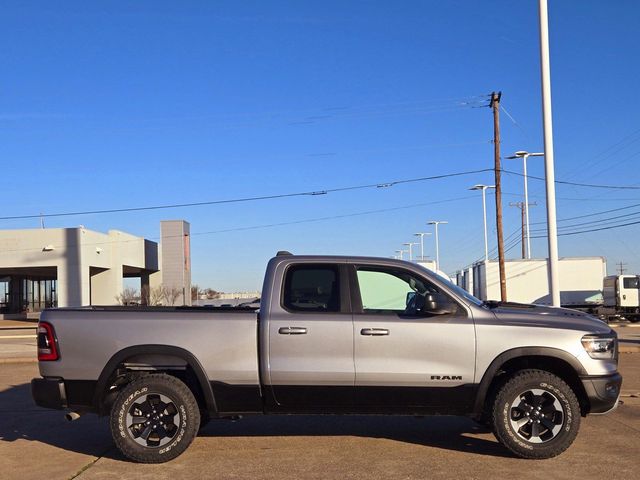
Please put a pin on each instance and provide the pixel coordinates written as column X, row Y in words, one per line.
column 523, row 209
column 621, row 268
column 495, row 106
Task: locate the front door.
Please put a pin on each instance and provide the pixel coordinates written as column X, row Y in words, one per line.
column 311, row 341
column 405, row 360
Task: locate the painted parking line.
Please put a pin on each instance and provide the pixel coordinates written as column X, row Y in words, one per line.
column 18, row 336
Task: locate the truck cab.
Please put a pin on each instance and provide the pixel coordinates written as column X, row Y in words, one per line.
column 621, row 295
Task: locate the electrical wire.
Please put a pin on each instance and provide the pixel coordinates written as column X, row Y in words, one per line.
column 249, row 199
column 590, row 214
column 576, row 184
column 591, row 230
column 255, row 227
column 601, row 222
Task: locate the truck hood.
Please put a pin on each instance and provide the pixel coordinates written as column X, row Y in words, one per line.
column 548, row 317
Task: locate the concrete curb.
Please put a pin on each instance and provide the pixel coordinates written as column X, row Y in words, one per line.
column 4, row 361
column 628, row 348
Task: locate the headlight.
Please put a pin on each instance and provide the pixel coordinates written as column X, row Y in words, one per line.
column 600, row 346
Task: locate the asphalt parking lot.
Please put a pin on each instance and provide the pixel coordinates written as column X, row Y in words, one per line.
column 37, row 443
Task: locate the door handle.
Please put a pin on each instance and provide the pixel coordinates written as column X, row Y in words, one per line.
column 373, row 332
column 292, row 330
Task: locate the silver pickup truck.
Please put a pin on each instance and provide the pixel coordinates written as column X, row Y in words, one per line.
column 333, row 335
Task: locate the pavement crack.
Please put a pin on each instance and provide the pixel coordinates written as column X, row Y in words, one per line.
column 90, row 464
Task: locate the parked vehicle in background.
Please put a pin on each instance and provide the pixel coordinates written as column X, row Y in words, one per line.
column 334, row 335
column 528, row 281
column 621, row 298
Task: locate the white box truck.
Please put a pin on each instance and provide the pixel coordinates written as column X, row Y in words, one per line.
column 527, row 281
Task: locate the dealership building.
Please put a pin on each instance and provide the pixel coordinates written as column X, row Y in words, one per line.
column 68, row 267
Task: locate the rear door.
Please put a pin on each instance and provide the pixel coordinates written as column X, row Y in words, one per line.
column 311, row 340
column 403, row 362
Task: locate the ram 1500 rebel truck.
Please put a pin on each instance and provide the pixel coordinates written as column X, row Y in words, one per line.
column 333, row 335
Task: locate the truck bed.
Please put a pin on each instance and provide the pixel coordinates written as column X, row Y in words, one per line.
column 223, row 339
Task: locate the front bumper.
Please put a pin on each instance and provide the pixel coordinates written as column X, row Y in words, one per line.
column 603, row 392
column 49, row 393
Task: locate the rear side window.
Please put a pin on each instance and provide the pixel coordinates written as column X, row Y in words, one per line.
column 312, row 288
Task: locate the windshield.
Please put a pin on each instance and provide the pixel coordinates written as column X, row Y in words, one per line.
column 455, row 288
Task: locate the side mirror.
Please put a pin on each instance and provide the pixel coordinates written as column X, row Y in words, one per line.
column 415, row 304
column 429, row 303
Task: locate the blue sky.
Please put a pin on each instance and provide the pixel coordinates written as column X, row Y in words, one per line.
column 121, row 104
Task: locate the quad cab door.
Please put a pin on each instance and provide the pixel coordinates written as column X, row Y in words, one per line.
column 414, row 343
column 310, row 344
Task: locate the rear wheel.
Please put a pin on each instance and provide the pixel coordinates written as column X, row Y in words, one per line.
column 536, row 414
column 154, row 419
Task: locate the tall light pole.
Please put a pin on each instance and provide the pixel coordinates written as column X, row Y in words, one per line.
column 436, row 223
column 421, row 235
column 524, row 155
column 410, row 245
column 484, row 216
column 400, row 252
column 552, row 230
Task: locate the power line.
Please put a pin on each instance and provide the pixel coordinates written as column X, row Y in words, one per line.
column 592, row 214
column 576, row 184
column 592, row 230
column 250, row 199
column 602, row 222
column 269, row 225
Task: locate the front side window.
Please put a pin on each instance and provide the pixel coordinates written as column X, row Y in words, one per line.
column 383, row 291
column 400, row 292
column 631, row 282
column 312, row 288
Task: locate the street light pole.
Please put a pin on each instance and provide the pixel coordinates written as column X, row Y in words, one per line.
column 410, row 245
column 421, row 235
column 524, row 155
column 552, row 231
column 484, row 216
column 436, row 223
column 400, row 252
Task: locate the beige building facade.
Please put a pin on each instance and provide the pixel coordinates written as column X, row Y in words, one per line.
column 60, row 267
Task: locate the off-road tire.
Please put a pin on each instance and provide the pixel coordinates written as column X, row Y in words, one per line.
column 187, row 417
column 558, row 392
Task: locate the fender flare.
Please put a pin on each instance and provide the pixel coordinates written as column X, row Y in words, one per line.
column 125, row 353
column 490, row 372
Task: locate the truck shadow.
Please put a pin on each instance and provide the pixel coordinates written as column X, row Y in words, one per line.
column 20, row 419
column 445, row 432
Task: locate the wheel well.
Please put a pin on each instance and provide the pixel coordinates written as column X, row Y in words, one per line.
column 554, row 365
column 136, row 366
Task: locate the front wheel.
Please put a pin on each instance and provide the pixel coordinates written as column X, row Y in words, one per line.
column 536, row 414
column 154, row 419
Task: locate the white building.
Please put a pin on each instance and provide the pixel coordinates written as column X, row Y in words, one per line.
column 41, row 268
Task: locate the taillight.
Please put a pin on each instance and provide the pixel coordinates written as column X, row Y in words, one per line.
column 47, row 348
